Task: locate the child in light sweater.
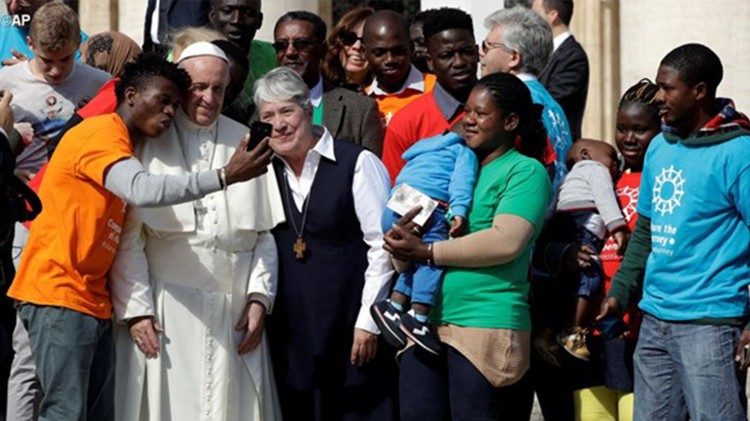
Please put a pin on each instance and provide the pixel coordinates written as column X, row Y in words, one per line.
column 445, row 169
column 587, row 194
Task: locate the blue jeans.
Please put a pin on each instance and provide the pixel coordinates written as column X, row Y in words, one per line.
column 75, row 362
column 589, row 279
column 422, row 281
column 682, row 367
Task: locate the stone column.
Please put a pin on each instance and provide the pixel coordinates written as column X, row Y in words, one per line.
column 98, row 15
column 596, row 25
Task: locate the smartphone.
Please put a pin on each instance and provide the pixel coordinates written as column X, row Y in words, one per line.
column 611, row 327
column 258, row 131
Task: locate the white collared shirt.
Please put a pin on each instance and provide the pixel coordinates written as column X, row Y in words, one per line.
column 415, row 81
column 370, row 190
column 559, row 39
column 526, row 76
column 316, row 93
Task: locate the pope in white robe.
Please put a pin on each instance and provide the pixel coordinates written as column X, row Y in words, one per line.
column 194, row 267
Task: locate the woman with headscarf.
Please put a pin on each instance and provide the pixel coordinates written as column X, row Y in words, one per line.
column 109, row 51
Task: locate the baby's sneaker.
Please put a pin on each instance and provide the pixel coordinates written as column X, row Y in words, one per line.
column 573, row 341
column 388, row 320
column 421, row 333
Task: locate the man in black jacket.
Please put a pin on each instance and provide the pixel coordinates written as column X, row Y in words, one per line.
column 566, row 76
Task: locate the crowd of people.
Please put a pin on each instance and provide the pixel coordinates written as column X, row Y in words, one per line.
column 421, row 233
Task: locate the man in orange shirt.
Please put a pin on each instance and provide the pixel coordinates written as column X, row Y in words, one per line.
column 60, row 287
column 397, row 82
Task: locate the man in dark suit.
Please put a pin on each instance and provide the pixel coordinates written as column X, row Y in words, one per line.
column 165, row 16
column 299, row 41
column 566, row 76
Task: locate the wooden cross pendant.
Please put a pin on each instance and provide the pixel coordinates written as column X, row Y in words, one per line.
column 299, row 248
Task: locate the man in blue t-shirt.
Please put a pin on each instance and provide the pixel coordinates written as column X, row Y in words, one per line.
column 14, row 46
column 690, row 249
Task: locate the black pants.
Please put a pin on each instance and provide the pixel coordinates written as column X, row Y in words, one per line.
column 448, row 387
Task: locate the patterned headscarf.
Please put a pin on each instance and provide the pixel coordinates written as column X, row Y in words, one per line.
column 109, row 51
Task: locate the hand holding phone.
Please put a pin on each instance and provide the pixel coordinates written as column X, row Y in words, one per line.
column 258, row 131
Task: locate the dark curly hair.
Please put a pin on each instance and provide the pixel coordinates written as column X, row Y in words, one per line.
column 511, row 95
column 147, row 66
column 445, row 18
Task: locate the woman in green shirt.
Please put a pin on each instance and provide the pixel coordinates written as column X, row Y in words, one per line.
column 482, row 313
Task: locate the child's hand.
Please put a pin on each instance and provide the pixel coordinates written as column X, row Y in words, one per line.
column 621, row 238
column 458, row 225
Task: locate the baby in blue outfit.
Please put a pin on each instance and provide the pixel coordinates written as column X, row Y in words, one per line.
column 445, row 169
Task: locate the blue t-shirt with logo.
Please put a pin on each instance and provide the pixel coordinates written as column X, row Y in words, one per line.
column 698, row 199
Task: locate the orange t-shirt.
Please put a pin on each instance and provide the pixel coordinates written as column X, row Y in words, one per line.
column 390, row 104
column 72, row 243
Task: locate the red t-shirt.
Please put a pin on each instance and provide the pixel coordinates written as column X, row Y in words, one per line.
column 420, row 119
column 626, row 189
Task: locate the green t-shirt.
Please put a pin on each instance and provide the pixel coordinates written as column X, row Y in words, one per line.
column 262, row 58
column 496, row 297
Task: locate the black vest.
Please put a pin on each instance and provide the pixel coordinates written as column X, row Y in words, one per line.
column 319, row 296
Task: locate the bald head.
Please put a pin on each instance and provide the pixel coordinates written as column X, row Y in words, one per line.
column 384, row 22
column 386, row 36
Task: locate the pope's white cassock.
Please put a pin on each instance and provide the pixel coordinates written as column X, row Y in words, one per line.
column 194, row 266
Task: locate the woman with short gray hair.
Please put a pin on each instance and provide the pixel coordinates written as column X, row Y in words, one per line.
column 331, row 261
column 282, row 84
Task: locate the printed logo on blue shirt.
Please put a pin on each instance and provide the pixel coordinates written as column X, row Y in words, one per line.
column 667, row 196
column 668, row 190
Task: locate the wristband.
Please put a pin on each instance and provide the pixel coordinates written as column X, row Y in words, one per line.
column 429, row 258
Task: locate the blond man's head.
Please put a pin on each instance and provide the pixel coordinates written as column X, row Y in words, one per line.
column 54, row 27
column 54, row 37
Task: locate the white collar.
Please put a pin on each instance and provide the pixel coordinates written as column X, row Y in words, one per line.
column 526, row 76
column 316, row 93
column 324, row 145
column 559, row 39
column 415, row 81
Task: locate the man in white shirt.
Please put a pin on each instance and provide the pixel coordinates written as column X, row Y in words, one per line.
column 397, row 82
column 204, row 271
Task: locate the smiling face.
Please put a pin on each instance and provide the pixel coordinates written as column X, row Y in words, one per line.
column 210, row 76
column 483, row 122
column 636, row 126
column 388, row 54
column 299, row 49
column 153, row 106
column 292, row 128
column 453, row 59
column 353, row 58
column 237, row 19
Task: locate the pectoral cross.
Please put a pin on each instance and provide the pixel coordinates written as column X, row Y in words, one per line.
column 200, row 213
column 299, row 248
